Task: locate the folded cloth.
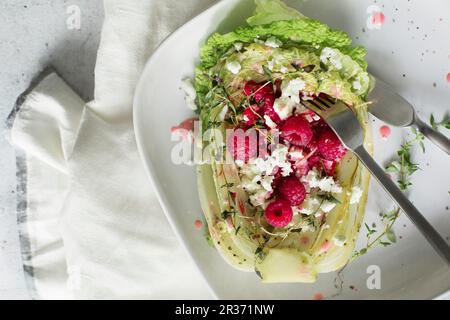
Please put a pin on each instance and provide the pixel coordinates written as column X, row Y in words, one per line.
column 94, row 227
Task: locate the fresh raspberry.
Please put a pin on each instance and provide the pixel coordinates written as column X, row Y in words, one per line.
column 297, row 131
column 330, row 147
column 322, row 164
column 270, row 112
column 329, row 167
column 279, row 213
column 251, row 114
column 250, row 87
column 259, row 90
column 292, row 190
column 242, row 151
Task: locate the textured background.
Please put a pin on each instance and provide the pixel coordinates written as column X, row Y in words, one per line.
column 34, row 35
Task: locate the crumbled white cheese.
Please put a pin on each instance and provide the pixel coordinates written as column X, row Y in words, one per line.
column 296, row 155
column 234, row 67
column 284, row 107
column 240, row 163
column 266, row 183
column 251, row 185
column 310, row 205
column 332, row 56
column 278, row 158
column 306, row 226
column 326, row 227
column 269, row 122
column 270, row 64
column 339, row 240
column 188, row 87
column 238, row 46
column 283, row 69
column 258, row 198
column 291, row 89
column 327, row 206
column 326, row 184
column 356, row 195
column 273, row 42
column 356, row 85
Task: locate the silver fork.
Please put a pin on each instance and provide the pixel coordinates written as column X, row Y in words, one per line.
column 344, row 122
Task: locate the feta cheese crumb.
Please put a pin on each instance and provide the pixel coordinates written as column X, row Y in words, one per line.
column 310, row 205
column 234, row 67
column 291, row 89
column 332, row 56
column 266, row 183
column 327, row 206
column 269, row 122
column 357, row 85
column 356, row 195
column 284, row 107
column 188, row 87
column 258, row 198
column 339, row 240
column 326, row 184
column 273, row 42
column 238, row 46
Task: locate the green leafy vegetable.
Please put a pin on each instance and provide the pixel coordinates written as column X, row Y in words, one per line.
column 268, row 11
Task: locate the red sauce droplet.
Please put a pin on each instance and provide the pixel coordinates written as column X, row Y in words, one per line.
column 198, row 224
column 318, row 296
column 305, row 240
column 184, row 128
column 378, row 18
column 448, row 77
column 385, row 132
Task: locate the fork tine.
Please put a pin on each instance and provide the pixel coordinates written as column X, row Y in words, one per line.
column 328, row 99
column 313, row 107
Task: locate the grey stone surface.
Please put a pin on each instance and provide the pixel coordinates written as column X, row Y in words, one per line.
column 34, row 34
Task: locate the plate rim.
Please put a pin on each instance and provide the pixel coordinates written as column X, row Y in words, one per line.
column 148, row 165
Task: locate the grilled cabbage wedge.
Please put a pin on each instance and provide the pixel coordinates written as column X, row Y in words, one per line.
column 279, row 43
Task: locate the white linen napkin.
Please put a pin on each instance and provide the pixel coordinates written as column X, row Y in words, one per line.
column 93, row 226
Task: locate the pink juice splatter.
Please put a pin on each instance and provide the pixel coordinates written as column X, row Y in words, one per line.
column 198, row 224
column 448, row 77
column 385, row 132
column 378, row 18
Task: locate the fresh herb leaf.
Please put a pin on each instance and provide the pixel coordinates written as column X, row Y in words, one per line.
column 445, row 123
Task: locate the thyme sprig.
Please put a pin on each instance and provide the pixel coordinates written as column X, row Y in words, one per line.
column 404, row 166
column 445, row 123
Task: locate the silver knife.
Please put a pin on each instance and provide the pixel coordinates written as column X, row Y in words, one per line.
column 390, row 107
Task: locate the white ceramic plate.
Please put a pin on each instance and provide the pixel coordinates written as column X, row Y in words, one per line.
column 409, row 51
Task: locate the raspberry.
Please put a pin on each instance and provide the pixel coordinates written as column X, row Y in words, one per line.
column 297, row 131
column 251, row 114
column 292, row 190
column 330, row 147
column 319, row 163
column 250, row 87
column 270, row 112
column 259, row 90
column 279, row 213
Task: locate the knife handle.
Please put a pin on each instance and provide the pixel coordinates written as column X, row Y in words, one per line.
column 435, row 136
